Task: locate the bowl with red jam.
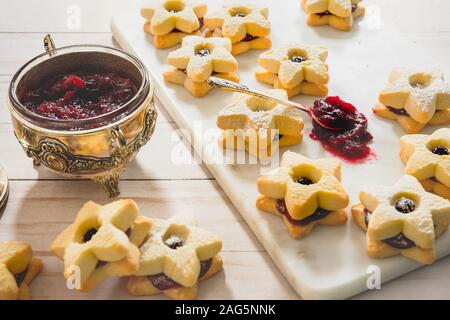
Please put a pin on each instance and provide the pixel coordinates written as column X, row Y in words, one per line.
column 83, row 111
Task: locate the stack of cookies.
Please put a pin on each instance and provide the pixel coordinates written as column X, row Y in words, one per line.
column 338, row 14
column 402, row 219
column 258, row 125
column 427, row 157
column 247, row 26
column 175, row 257
column 18, row 267
column 298, row 69
column 169, row 256
column 102, row 242
column 197, row 60
column 304, row 192
column 415, row 99
column 169, row 21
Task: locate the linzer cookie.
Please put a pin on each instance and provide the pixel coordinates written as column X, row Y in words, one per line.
column 298, row 69
column 339, row 14
column 402, row 219
column 197, row 60
column 102, row 242
column 427, row 157
column 174, row 258
column 415, row 99
column 247, row 26
column 259, row 125
column 305, row 192
column 169, row 21
column 18, row 268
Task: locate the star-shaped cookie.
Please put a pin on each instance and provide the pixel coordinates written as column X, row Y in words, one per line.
column 171, row 20
column 175, row 257
column 261, row 124
column 403, row 219
column 339, row 14
column 18, row 268
column 198, row 59
column 102, row 242
column 427, row 157
column 305, row 192
column 415, row 99
column 247, row 26
column 298, row 69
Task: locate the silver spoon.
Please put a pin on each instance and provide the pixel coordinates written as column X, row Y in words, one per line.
column 237, row 87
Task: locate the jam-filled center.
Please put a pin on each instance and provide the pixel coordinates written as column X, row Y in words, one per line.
column 163, row 282
column 327, row 13
column 440, row 151
column 367, row 215
column 203, row 52
column 297, row 59
column 173, row 242
column 89, row 234
column 304, row 181
column 400, row 112
column 317, row 215
column 400, row 241
column 20, row 277
column 404, row 205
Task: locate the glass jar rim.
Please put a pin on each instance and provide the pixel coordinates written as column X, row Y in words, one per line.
column 68, row 125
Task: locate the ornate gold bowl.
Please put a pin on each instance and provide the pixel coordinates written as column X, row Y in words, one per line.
column 98, row 148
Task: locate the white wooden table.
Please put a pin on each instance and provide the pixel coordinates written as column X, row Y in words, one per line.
column 41, row 203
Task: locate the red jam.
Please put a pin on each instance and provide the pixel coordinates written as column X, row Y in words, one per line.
column 80, row 95
column 349, row 143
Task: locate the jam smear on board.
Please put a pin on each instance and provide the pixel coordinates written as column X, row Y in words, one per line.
column 80, row 95
column 349, row 143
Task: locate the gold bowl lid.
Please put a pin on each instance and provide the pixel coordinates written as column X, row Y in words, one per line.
column 4, row 187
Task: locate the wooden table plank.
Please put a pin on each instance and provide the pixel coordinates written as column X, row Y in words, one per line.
column 67, row 16
column 249, row 275
column 22, row 47
column 34, row 213
column 153, row 161
column 38, row 210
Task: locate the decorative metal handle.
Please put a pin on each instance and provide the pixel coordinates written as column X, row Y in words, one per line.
column 49, row 45
column 119, row 140
column 237, row 87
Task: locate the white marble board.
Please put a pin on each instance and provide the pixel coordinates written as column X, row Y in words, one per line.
column 331, row 262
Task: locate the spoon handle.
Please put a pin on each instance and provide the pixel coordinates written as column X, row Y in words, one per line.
column 237, row 87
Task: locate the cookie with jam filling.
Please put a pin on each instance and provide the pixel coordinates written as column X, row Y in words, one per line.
column 176, row 255
column 337, row 14
column 247, row 26
column 298, row 69
column 197, row 60
column 102, row 242
column 18, row 268
column 427, row 157
column 169, row 21
column 305, row 192
column 415, row 99
column 402, row 219
column 258, row 125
